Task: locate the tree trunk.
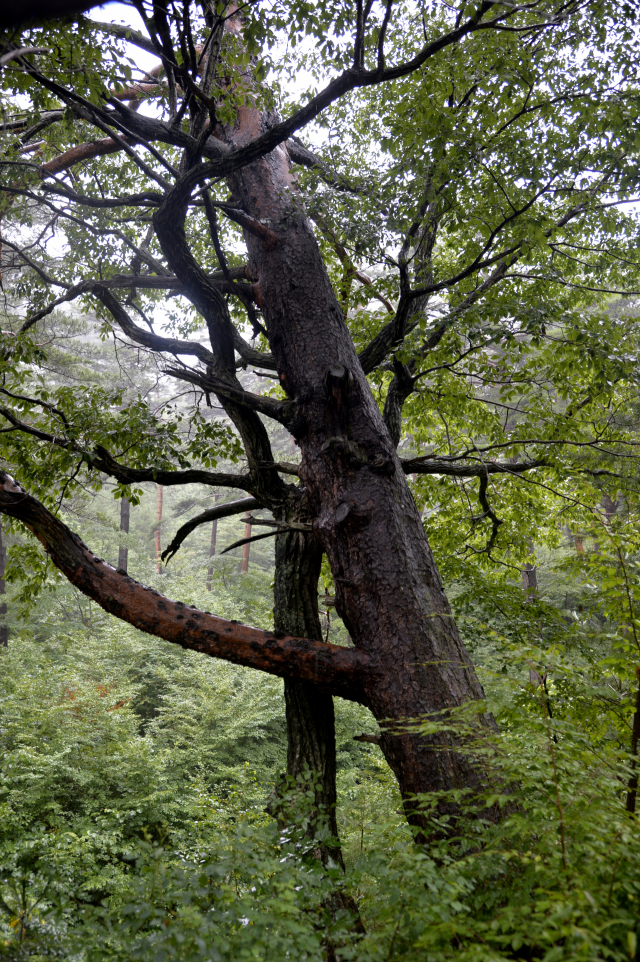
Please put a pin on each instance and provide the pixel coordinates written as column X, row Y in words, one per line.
column 212, row 546
column 311, row 743
column 388, row 590
column 244, row 564
column 311, row 740
column 123, row 551
column 530, row 576
column 158, row 524
column 4, row 628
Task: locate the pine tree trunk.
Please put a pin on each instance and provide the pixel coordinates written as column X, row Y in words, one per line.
column 388, row 590
column 123, row 551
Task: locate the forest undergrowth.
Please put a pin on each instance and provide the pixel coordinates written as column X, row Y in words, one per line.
column 136, row 780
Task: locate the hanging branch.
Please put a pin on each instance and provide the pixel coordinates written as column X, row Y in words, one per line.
column 211, row 514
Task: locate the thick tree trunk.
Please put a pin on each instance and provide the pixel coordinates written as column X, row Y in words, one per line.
column 123, row 551
column 311, row 743
column 388, row 590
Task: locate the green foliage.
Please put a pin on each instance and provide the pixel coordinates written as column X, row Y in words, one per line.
column 135, row 781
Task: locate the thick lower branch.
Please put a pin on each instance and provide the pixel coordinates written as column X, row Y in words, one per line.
column 334, row 669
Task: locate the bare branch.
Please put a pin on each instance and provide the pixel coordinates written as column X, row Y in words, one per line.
column 441, row 466
column 211, row 514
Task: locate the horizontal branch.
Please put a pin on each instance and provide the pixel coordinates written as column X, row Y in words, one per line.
column 251, row 356
column 482, row 469
column 211, row 514
column 253, row 537
column 329, row 667
column 154, row 342
column 101, row 460
column 280, row 411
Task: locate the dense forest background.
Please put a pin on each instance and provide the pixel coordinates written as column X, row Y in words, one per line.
column 144, row 808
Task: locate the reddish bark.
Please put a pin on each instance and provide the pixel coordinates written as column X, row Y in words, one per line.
column 329, row 667
column 93, row 148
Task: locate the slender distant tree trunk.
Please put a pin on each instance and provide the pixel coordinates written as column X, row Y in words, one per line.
column 244, row 564
column 530, row 587
column 212, row 546
column 530, row 577
column 4, row 628
column 158, row 524
column 123, row 551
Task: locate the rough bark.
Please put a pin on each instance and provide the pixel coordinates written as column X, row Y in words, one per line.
column 388, row 590
column 329, row 667
column 311, row 743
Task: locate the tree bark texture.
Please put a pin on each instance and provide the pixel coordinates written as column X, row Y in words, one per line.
column 311, row 742
column 388, row 590
column 330, row 667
